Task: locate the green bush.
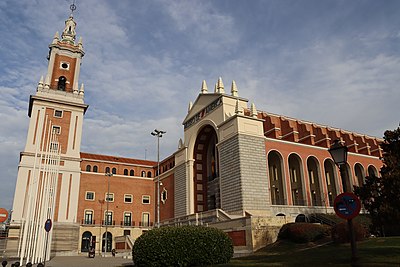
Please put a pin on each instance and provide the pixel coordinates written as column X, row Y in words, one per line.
column 340, row 232
column 182, row 246
column 303, row 232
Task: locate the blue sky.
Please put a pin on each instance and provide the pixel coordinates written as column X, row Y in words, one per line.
column 331, row 62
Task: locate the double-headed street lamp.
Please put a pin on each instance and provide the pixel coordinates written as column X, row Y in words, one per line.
column 158, row 134
column 107, row 215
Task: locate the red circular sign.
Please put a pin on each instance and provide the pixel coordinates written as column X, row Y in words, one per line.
column 3, row 215
column 347, row 205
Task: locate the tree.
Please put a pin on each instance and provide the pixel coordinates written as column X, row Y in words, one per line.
column 381, row 195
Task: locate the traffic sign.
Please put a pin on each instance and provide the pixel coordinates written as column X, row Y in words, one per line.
column 3, row 215
column 47, row 225
column 347, row 205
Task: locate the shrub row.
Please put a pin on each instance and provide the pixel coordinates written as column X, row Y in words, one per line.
column 182, row 246
column 340, row 232
column 303, row 232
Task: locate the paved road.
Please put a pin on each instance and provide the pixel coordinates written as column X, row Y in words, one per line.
column 84, row 261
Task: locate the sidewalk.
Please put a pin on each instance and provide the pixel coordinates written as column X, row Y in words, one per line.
column 84, row 261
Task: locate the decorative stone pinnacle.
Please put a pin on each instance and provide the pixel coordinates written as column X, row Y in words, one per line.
column 47, row 82
column 220, row 86
column 204, row 89
column 82, row 90
column 253, row 110
column 234, row 90
column 75, row 88
column 40, row 84
column 238, row 110
column 190, row 106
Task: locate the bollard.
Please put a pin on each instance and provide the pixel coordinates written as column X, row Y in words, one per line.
column 40, row 265
column 4, row 263
column 17, row 264
column 29, row 264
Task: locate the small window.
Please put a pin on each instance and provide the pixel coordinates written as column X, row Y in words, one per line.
column 61, row 83
column 127, row 218
column 88, row 168
column 88, row 217
column 114, row 171
column 54, row 147
column 89, row 195
column 132, row 173
column 108, row 170
column 56, row 129
column 126, row 172
column 95, row 168
column 58, row 113
column 146, row 199
column 143, row 174
column 164, row 195
column 110, row 197
column 108, row 218
column 64, row 65
column 128, row 198
column 149, row 174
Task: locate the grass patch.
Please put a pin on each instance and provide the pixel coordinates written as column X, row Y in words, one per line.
column 372, row 252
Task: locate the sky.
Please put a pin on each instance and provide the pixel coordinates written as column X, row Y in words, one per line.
column 334, row 63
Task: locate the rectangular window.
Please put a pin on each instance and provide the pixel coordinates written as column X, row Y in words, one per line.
column 146, row 199
column 110, row 197
column 88, row 217
column 145, row 219
column 108, row 218
column 128, row 198
column 127, row 219
column 56, row 129
column 58, row 113
column 89, row 195
column 54, row 147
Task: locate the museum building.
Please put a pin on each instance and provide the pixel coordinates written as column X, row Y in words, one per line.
column 237, row 168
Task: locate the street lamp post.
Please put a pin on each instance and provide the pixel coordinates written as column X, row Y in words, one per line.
column 101, row 201
column 339, row 155
column 159, row 134
column 107, row 215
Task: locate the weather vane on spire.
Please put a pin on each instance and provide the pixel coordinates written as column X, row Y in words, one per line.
column 72, row 7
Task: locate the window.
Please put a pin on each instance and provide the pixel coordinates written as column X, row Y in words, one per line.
column 127, row 198
column 53, row 146
column 58, row 113
column 110, row 197
column 56, row 129
column 88, row 217
column 89, row 195
column 88, row 168
column 149, row 174
column 114, row 171
column 61, row 83
column 311, row 174
column 95, row 168
column 108, row 170
column 127, row 219
column 126, row 172
column 108, row 218
column 143, row 174
column 64, row 65
column 145, row 219
column 164, row 195
column 132, row 173
column 146, row 199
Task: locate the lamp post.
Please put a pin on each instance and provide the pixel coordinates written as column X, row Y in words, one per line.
column 101, row 201
column 107, row 215
column 339, row 155
column 159, row 134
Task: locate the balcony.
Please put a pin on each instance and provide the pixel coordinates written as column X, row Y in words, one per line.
column 108, row 222
column 127, row 223
column 145, row 224
column 88, row 222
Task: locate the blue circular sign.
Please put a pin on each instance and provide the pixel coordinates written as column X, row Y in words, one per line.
column 47, row 225
column 347, row 205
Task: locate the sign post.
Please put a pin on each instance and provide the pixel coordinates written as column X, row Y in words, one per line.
column 47, row 226
column 347, row 206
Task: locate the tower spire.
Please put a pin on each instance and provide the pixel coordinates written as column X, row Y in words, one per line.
column 69, row 33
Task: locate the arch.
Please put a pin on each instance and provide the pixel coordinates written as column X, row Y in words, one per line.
column 314, row 179
column 206, row 170
column 107, row 170
column 95, row 168
column 301, row 218
column 331, row 184
column 149, row 174
column 372, row 171
column 143, row 174
column 131, row 173
column 276, row 178
column 109, row 241
column 360, row 174
column 88, row 168
column 61, row 83
column 86, row 241
column 126, row 172
column 296, row 179
column 346, row 178
column 114, row 171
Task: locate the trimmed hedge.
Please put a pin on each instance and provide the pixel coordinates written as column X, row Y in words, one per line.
column 340, row 232
column 303, row 232
column 182, row 246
